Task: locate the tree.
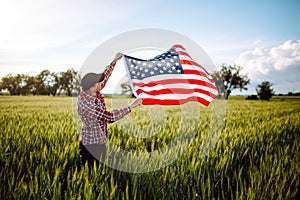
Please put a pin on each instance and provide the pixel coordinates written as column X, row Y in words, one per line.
column 28, row 84
column 12, row 84
column 54, row 85
column 232, row 79
column 264, row 90
column 69, row 81
column 44, row 81
column 220, row 85
column 126, row 88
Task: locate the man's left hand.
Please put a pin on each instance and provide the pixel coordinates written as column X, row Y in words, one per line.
column 118, row 56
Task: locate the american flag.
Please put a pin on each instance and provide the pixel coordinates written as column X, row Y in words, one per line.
column 171, row 78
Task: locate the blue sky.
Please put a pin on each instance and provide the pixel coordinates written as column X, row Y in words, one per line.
column 262, row 36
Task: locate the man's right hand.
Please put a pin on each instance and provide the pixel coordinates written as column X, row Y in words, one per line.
column 136, row 103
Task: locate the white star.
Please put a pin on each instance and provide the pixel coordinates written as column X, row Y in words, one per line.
column 146, row 70
column 144, row 63
column 164, row 68
column 178, row 70
column 139, row 62
column 173, row 67
column 168, row 64
column 161, row 71
column 131, row 66
column 159, row 64
column 170, row 71
column 152, row 72
column 155, row 68
column 143, row 75
column 133, row 72
column 177, row 64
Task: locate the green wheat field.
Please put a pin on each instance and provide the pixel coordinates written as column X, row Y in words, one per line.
column 257, row 155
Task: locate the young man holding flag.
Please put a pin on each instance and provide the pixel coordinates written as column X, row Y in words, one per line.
column 94, row 115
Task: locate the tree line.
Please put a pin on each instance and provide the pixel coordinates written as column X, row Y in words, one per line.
column 45, row 83
column 227, row 79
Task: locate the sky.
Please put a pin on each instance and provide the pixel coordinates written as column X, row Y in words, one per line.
column 262, row 36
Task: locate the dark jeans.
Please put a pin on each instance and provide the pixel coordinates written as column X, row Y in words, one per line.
column 92, row 153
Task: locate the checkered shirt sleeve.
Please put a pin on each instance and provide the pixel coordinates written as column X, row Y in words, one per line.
column 107, row 72
column 94, row 116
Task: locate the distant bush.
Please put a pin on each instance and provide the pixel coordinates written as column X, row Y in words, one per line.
column 293, row 94
column 252, row 97
column 264, row 90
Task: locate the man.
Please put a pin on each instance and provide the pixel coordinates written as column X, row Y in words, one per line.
column 95, row 116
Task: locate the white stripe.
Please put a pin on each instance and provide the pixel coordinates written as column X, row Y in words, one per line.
column 193, row 67
column 175, row 96
column 183, row 57
column 180, row 49
column 171, row 86
column 172, row 76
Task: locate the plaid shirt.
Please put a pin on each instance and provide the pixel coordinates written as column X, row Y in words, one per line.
column 94, row 116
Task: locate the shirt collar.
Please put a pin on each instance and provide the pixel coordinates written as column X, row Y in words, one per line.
column 91, row 97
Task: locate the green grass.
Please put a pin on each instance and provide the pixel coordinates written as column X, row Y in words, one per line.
column 256, row 156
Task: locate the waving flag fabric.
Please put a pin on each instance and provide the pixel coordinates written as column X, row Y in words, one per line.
column 170, row 78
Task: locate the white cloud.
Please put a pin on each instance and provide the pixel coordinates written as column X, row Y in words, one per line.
column 279, row 65
column 49, row 34
column 33, row 24
column 286, row 55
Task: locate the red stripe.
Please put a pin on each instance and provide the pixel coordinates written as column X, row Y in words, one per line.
column 190, row 62
column 175, row 81
column 178, row 46
column 148, row 101
column 175, row 91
